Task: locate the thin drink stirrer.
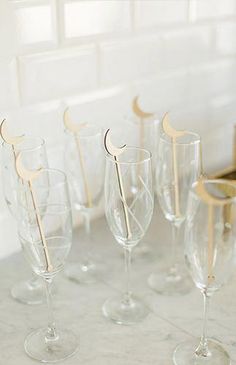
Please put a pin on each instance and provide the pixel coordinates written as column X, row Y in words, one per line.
column 29, row 176
column 142, row 116
column 174, row 134
column 75, row 129
column 211, row 202
column 115, row 152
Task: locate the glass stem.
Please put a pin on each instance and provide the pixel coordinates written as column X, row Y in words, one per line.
column 51, row 334
column 87, row 227
column 127, row 253
column 173, row 272
column 203, row 349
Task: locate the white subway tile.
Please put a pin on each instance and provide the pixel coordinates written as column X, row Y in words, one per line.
column 40, row 120
column 54, row 74
column 105, row 108
column 218, row 147
column 226, row 38
column 8, row 83
column 34, row 21
column 187, row 47
column 206, row 9
column 128, row 60
column 84, row 18
column 162, row 94
column 153, row 13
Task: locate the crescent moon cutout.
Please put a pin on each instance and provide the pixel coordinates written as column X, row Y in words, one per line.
column 208, row 198
column 5, row 136
column 110, row 148
column 170, row 131
column 138, row 111
column 25, row 174
column 71, row 126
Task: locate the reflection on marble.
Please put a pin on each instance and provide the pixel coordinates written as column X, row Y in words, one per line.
column 171, row 320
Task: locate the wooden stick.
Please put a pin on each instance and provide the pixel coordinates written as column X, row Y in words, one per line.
column 115, row 152
column 210, row 242
column 85, row 180
column 122, row 193
column 29, row 176
column 176, row 179
column 75, row 129
column 49, row 266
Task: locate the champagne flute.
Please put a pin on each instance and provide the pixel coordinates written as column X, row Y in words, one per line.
column 178, row 167
column 144, row 133
column 45, row 232
column 128, row 212
column 34, row 156
column 84, row 164
column 210, row 236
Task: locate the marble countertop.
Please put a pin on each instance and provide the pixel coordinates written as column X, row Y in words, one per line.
column 171, row 319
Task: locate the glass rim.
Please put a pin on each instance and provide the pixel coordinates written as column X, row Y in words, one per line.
column 57, row 171
column 217, row 181
column 196, row 141
column 27, row 149
column 142, row 160
column 99, row 131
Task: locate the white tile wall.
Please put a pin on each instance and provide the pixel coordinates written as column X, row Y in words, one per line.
column 95, row 56
column 154, row 13
column 55, row 74
column 83, row 18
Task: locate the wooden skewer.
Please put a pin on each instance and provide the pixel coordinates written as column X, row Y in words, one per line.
column 115, row 152
column 29, row 176
column 142, row 115
column 75, row 129
column 176, row 180
column 173, row 134
column 210, row 242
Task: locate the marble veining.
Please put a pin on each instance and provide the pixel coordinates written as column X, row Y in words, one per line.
column 171, row 319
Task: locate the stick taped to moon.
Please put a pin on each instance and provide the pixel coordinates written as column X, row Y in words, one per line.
column 115, row 152
column 75, row 128
column 173, row 134
column 30, row 176
column 211, row 202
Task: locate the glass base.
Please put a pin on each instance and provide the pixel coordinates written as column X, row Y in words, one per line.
column 184, row 354
column 86, row 273
column 63, row 347
column 120, row 311
column 170, row 284
column 29, row 292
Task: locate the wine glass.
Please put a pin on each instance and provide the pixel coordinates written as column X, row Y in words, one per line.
column 128, row 212
column 178, row 167
column 144, row 133
column 34, row 156
column 210, row 236
column 84, row 164
column 45, row 232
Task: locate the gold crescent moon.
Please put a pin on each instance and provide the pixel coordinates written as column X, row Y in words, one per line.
column 73, row 127
column 208, row 198
column 170, row 131
column 110, row 148
column 8, row 139
column 25, row 174
column 138, row 111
